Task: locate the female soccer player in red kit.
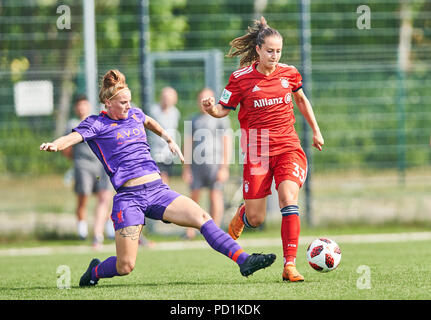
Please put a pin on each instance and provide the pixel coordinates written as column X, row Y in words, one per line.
column 264, row 89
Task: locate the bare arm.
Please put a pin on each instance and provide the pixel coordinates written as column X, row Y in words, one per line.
column 304, row 106
column 215, row 110
column 62, row 142
column 155, row 127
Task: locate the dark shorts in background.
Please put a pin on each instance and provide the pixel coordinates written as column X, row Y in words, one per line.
column 133, row 204
column 91, row 180
column 166, row 168
column 205, row 176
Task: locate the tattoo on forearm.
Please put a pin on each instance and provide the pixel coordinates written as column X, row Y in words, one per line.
column 131, row 232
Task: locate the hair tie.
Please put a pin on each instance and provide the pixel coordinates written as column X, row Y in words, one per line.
column 117, row 93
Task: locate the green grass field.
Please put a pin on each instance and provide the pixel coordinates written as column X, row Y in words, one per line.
column 398, row 270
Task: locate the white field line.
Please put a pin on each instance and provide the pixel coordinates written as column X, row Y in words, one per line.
column 201, row 244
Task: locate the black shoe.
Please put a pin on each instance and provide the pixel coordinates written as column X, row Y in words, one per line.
column 256, row 262
column 86, row 277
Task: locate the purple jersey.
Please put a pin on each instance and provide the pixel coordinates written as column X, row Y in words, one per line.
column 120, row 145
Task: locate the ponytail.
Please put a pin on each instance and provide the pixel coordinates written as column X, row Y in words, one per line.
column 245, row 46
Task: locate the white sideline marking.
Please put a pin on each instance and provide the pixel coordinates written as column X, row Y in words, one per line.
column 201, row 244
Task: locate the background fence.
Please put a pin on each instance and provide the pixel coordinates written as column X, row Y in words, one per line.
column 371, row 84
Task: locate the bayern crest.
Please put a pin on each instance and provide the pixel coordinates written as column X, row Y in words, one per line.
column 246, row 187
column 284, row 83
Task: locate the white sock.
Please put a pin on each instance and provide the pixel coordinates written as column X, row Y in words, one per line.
column 82, row 229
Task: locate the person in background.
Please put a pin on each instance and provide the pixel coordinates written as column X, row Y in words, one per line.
column 90, row 178
column 209, row 149
column 167, row 114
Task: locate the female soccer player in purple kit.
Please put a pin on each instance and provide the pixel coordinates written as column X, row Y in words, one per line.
column 117, row 137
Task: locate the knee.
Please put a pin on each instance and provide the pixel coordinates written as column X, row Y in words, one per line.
column 288, row 192
column 124, row 267
column 201, row 218
column 255, row 221
column 288, row 198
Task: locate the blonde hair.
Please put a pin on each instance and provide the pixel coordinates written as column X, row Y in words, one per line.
column 245, row 46
column 112, row 83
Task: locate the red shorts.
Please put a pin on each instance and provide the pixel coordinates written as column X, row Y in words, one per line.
column 258, row 173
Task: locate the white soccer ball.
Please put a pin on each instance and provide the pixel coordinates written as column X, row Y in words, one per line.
column 324, row 255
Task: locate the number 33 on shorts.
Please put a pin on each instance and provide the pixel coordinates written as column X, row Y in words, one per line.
column 299, row 172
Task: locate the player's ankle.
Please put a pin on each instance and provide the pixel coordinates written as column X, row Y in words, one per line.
column 290, row 260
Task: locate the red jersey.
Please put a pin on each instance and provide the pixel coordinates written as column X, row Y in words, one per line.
column 266, row 108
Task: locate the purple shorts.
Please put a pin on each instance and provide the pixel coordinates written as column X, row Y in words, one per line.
column 132, row 204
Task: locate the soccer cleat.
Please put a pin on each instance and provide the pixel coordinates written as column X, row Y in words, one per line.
column 291, row 274
column 85, row 280
column 237, row 224
column 256, row 262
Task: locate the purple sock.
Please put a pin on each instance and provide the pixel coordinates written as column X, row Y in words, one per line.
column 105, row 269
column 222, row 242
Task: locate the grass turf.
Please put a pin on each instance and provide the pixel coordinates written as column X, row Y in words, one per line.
column 397, row 271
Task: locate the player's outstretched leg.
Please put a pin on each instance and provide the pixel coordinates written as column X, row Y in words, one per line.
column 223, row 243
column 185, row 212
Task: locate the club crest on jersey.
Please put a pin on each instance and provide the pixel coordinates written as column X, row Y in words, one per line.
column 246, row 186
column 284, row 82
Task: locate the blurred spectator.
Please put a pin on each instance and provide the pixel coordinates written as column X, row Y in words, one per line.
column 209, row 147
column 90, row 178
column 168, row 116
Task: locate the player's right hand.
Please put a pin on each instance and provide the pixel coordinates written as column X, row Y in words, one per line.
column 318, row 141
column 48, row 146
column 208, row 104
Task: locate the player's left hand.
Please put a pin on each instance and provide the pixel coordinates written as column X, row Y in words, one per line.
column 176, row 150
column 318, row 141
